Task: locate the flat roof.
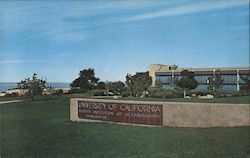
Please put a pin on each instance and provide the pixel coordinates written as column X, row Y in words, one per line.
column 206, row 69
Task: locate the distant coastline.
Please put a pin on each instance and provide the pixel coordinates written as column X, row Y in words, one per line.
column 4, row 86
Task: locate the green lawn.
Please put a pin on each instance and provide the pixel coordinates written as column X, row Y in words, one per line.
column 41, row 129
column 14, row 98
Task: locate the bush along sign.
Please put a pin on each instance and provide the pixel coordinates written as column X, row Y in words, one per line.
column 147, row 114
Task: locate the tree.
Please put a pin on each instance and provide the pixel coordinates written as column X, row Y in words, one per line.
column 215, row 82
column 115, row 87
column 246, row 86
column 59, row 92
column 158, row 84
column 129, row 84
column 138, row 83
column 101, row 85
column 186, row 81
column 34, row 85
column 86, row 80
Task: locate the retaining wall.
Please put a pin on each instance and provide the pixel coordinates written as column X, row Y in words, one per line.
column 182, row 114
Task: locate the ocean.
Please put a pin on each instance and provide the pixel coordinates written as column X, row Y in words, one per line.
column 4, row 86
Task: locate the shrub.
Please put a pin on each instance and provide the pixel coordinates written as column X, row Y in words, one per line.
column 179, row 94
column 97, row 92
column 160, row 93
column 202, row 93
column 125, row 94
column 59, row 92
column 12, row 94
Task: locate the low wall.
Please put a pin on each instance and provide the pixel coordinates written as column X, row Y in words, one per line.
column 205, row 115
column 170, row 114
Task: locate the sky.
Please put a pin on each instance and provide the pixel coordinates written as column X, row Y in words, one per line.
column 57, row 39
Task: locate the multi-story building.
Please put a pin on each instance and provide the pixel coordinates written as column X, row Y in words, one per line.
column 231, row 75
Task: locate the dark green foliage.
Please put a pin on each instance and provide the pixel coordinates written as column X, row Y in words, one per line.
column 115, row 87
column 138, row 83
column 34, row 85
column 86, row 80
column 215, row 82
column 187, row 81
column 59, row 92
column 129, row 84
column 160, row 93
column 97, row 92
column 246, row 87
column 126, row 92
column 101, row 85
column 11, row 95
column 158, row 84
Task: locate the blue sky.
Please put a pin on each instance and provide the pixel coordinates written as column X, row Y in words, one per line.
column 57, row 39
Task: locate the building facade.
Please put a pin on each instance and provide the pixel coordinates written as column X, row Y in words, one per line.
column 231, row 75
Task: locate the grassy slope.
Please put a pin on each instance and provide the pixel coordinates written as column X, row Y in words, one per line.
column 41, row 129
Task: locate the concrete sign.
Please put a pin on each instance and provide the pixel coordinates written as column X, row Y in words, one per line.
column 159, row 113
column 148, row 114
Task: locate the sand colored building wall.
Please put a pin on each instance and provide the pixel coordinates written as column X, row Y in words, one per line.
column 186, row 114
column 153, row 68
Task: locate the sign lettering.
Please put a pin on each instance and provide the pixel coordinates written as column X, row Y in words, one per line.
column 149, row 114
